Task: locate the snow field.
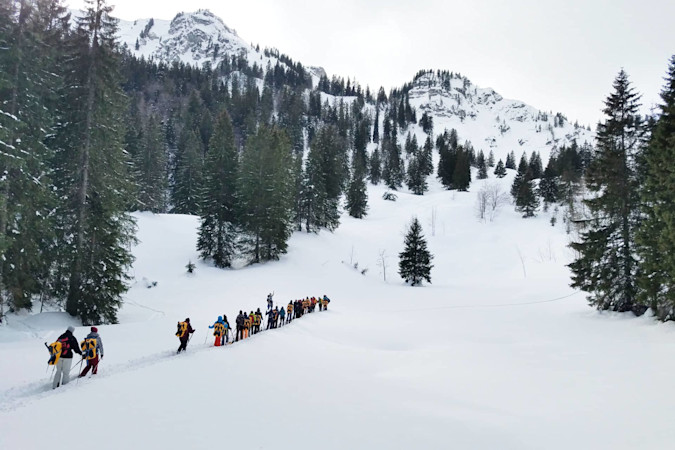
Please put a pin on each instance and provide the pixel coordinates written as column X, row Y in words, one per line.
column 497, row 353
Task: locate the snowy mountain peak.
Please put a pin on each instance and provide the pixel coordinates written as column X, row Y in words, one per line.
column 489, row 120
column 192, row 38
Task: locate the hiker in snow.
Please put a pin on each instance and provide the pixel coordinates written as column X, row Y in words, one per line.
column 298, row 309
column 68, row 346
column 325, row 302
column 282, row 316
column 258, row 320
column 226, row 338
column 218, row 331
column 289, row 312
column 252, row 317
column 240, row 326
column 92, row 351
column 270, row 303
column 183, row 333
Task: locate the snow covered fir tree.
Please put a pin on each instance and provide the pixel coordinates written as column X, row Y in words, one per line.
column 415, row 260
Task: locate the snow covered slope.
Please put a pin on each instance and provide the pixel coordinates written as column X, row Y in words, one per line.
column 497, row 353
column 489, row 121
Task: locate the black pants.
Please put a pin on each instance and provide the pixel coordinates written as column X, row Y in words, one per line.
column 240, row 333
column 183, row 344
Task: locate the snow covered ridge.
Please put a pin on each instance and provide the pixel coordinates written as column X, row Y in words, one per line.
column 193, row 38
column 489, row 121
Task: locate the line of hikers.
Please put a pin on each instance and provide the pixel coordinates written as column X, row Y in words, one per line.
column 250, row 324
column 91, row 348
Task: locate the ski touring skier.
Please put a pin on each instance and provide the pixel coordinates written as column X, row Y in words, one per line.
column 258, row 320
column 183, row 333
column 218, row 331
column 92, row 352
column 289, row 312
column 282, row 316
column 64, row 361
column 240, row 326
column 226, row 335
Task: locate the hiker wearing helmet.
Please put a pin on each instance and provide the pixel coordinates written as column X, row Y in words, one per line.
column 68, row 346
column 184, row 332
column 92, row 355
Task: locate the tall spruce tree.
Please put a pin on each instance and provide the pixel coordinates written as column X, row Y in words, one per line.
column 150, row 165
column 656, row 235
column 357, row 194
column 416, row 179
column 95, row 231
column 188, row 173
column 462, row 174
column 375, row 172
column 266, row 186
column 606, row 266
column 415, row 260
column 30, row 38
column 482, row 166
column 324, row 180
column 218, row 231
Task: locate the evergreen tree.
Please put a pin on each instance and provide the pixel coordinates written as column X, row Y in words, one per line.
column 376, row 127
column 357, row 195
column 324, row 180
column 606, row 265
column 511, row 161
column 500, row 170
column 392, row 172
column 151, row 169
column 92, row 171
column 527, row 200
column 375, row 173
column 491, row 159
column 656, row 235
column 415, row 260
column 30, row 36
column 548, row 186
column 536, row 169
column 188, row 174
column 427, row 157
column 266, row 188
column 416, row 179
column 447, row 145
column 219, row 220
column 462, row 174
column 482, row 166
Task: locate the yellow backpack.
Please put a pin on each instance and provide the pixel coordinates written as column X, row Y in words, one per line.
column 218, row 329
column 89, row 348
column 54, row 352
column 182, row 329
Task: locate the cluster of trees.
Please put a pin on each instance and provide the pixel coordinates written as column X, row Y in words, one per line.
column 560, row 182
column 65, row 185
column 625, row 254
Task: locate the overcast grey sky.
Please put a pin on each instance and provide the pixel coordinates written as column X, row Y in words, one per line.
column 554, row 55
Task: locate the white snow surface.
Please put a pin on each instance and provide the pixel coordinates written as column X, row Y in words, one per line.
column 497, row 353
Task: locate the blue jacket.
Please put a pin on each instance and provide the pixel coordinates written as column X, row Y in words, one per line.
column 220, row 320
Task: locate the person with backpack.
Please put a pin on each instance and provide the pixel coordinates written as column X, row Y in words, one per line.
column 68, row 346
column 258, row 320
column 289, row 312
column 282, row 316
column 240, row 326
column 218, row 331
column 92, row 352
column 183, row 333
